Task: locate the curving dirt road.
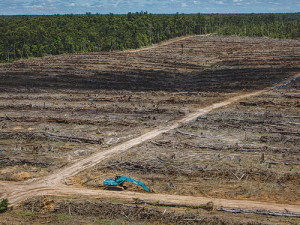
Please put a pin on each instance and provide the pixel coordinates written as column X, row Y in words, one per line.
column 53, row 184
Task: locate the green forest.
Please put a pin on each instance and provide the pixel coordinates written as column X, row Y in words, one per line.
column 36, row 36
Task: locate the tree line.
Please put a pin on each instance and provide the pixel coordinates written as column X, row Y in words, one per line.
column 36, row 36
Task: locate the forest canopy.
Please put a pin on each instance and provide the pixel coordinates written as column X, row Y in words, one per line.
column 36, row 36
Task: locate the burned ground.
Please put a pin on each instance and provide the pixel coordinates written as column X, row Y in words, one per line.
column 216, row 64
column 55, row 111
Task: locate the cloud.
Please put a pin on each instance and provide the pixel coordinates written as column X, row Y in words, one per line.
column 86, row 5
column 33, row 6
column 238, row 2
column 184, row 4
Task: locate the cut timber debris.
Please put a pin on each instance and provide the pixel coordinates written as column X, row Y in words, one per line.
column 210, row 207
column 23, row 161
column 261, row 212
column 41, row 134
column 188, row 134
column 158, row 203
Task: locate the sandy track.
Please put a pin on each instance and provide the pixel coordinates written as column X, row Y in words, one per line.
column 187, row 200
column 53, row 184
column 165, row 43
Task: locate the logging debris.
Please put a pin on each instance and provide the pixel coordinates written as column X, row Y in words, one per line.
column 48, row 135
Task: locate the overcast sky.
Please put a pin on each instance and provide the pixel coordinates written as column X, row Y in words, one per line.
column 40, row 7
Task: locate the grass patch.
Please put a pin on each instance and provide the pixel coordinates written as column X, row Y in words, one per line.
column 64, row 217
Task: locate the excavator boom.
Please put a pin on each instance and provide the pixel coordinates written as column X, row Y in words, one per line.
column 119, row 180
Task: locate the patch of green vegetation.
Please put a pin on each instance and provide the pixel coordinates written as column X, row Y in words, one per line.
column 156, row 203
column 264, row 134
column 3, row 205
column 64, row 217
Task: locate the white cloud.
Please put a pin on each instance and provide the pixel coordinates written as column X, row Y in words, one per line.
column 86, row 4
column 33, row 6
column 183, row 4
column 220, row 2
column 238, row 2
column 72, row 4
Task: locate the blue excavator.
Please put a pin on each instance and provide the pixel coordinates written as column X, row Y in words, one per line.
column 120, row 179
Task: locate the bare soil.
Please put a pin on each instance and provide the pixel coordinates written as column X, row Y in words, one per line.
column 188, row 124
column 248, row 150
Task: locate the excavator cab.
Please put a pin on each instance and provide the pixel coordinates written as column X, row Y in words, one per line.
column 110, row 182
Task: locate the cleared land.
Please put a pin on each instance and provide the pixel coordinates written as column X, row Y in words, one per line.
column 249, row 150
column 56, row 112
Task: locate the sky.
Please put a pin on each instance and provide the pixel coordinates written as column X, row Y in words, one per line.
column 49, row 7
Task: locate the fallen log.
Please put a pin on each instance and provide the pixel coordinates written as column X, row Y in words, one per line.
column 160, row 143
column 291, row 96
column 74, row 139
column 53, row 136
column 248, row 103
column 158, row 203
column 263, row 102
column 53, row 120
column 188, row 134
column 229, row 125
column 282, row 128
column 286, row 132
column 261, row 212
column 23, row 161
column 209, row 206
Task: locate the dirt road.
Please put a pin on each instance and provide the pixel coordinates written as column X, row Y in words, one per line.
column 54, row 184
column 165, row 43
